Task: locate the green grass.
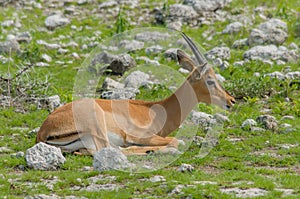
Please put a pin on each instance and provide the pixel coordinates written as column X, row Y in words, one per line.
column 257, row 158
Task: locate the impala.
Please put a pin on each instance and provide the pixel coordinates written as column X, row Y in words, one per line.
column 137, row 127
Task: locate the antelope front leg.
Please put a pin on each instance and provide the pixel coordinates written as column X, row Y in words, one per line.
column 153, row 143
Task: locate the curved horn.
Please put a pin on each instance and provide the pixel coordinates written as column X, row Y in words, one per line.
column 200, row 58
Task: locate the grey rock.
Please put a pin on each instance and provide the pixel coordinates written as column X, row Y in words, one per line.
column 293, row 46
column 153, row 49
column 186, row 167
column 147, row 60
column 48, row 46
column 220, row 78
column 270, row 52
column 103, row 58
column 203, row 119
column 131, row 45
column 121, row 64
column 10, row 45
column 157, row 178
column 43, row 196
column 20, row 154
column 241, row 43
column 152, row 36
column 245, row 193
column 268, row 122
column 123, row 93
column 111, row 84
column 56, row 20
column 41, row 64
column 46, row 57
column 136, row 79
column 107, row 4
column 293, row 75
column 207, row 5
column 7, row 23
column 4, row 149
column 175, row 25
column 276, row 75
column 218, row 52
column 248, row 124
column 24, row 37
column 233, row 28
column 181, row 12
column 99, row 187
column 273, row 31
column 177, row 190
column 44, row 157
column 49, row 103
column 288, row 117
column 220, row 118
column 110, row 159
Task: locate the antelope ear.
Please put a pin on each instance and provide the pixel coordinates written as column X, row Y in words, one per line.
column 185, row 61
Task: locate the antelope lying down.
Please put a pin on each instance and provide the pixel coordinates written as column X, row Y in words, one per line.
column 87, row 125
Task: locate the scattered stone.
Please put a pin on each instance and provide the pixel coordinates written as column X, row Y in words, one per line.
column 123, row 93
column 177, row 190
column 121, row 64
column 44, row 157
column 218, row 52
column 43, row 196
column 268, row 122
column 207, row 5
column 56, row 20
column 244, row 193
column 107, row 4
column 293, row 75
column 153, row 49
column 131, row 45
column 4, row 149
column 220, row 78
column 205, row 183
column 248, row 124
column 288, row 117
column 109, row 84
column 152, row 36
column 270, row 52
column 24, row 37
column 46, row 57
column 110, row 159
column 186, row 167
column 241, row 43
column 157, row 178
column 20, row 154
column 233, row 28
column 179, row 12
column 175, row 25
column 41, row 64
column 276, row 75
column 198, row 140
column 184, row 71
column 10, row 45
column 285, row 192
column 49, row 103
column 103, row 58
column 220, row 118
column 136, row 79
column 203, row 119
column 273, row 31
column 7, row 23
column 147, row 60
column 48, row 46
column 99, row 187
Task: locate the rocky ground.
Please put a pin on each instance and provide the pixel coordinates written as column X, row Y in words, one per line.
column 253, row 46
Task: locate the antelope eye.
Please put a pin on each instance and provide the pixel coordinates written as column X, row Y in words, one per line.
column 211, row 82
